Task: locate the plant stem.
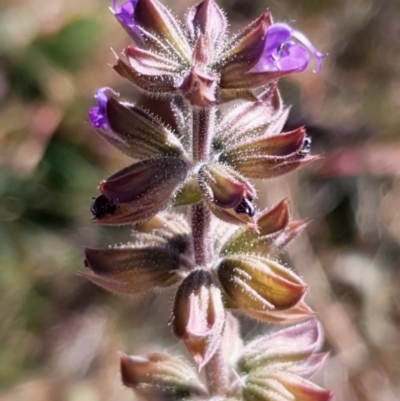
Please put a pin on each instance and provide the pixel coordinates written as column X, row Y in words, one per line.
column 202, row 244
column 203, row 127
column 215, row 371
column 203, row 130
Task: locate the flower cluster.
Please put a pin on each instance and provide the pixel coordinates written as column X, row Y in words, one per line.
column 221, row 253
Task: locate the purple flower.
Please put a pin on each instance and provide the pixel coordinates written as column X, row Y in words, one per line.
column 124, row 15
column 97, row 114
column 282, row 54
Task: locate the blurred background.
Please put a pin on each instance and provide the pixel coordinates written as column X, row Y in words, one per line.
column 59, row 335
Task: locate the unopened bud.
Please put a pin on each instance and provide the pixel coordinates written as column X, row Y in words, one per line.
column 199, row 315
column 273, row 234
column 161, row 376
column 139, row 191
column 130, row 270
column 256, row 283
column 270, row 156
column 137, row 133
column 292, row 345
column 208, row 19
column 228, row 194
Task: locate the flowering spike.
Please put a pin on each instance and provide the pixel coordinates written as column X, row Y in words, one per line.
column 208, row 165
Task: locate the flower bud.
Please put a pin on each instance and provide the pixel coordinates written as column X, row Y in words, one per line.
column 270, row 156
column 227, row 191
column 148, row 22
column 208, row 19
column 137, row 133
column 283, row 386
column 280, row 363
column 255, row 283
column 160, row 376
column 199, row 315
column 291, row 346
column 269, row 222
column 150, row 72
column 250, row 119
column 139, row 191
column 130, row 270
column 274, row 233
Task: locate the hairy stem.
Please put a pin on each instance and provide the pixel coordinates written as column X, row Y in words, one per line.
column 202, row 244
column 216, row 376
column 203, row 127
column 203, row 130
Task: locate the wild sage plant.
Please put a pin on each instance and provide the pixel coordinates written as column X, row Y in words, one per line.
column 220, row 253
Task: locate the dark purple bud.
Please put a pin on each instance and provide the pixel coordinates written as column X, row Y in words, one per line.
column 281, row 54
column 246, row 206
column 306, row 147
column 97, row 114
column 101, row 206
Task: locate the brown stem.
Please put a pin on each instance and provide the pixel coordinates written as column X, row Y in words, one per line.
column 202, row 244
column 203, row 127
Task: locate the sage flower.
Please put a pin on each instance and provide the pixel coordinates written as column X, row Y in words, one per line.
column 219, row 255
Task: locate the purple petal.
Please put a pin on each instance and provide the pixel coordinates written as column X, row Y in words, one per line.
column 125, row 16
column 276, row 35
column 97, row 114
column 281, row 54
column 293, row 57
column 304, row 40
